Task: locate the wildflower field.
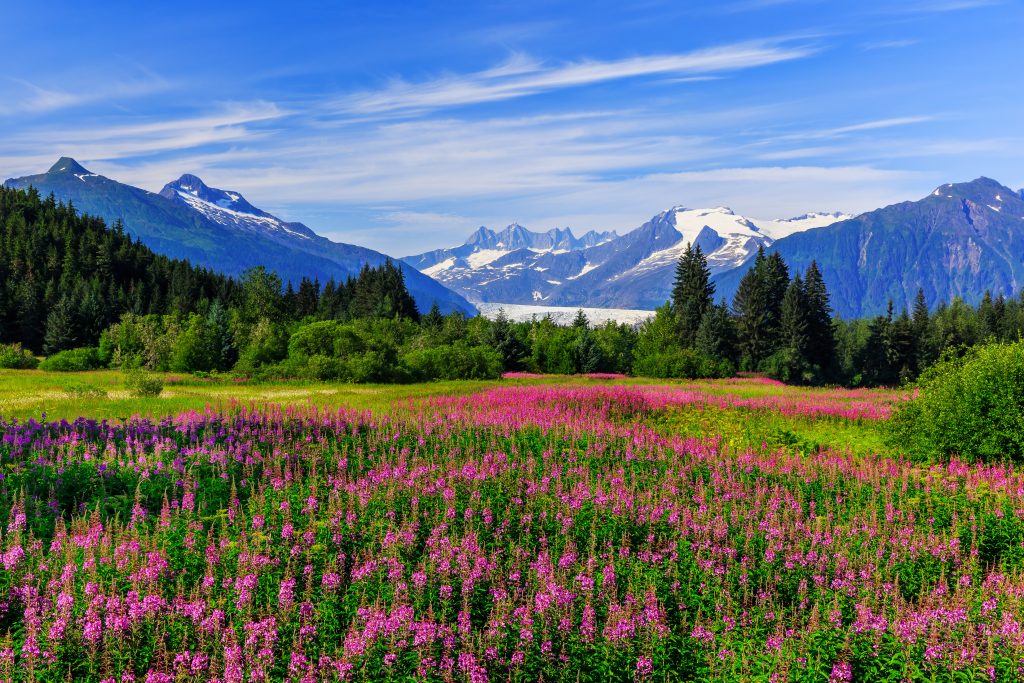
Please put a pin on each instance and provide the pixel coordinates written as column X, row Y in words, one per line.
column 522, row 530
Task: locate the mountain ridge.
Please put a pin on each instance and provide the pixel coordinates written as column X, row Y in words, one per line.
column 600, row 269
column 228, row 238
column 960, row 240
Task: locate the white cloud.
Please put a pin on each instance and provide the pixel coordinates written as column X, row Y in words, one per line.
column 521, row 77
column 32, row 98
column 843, row 131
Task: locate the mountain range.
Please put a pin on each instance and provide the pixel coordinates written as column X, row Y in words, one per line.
column 960, row 241
column 602, row 269
column 220, row 230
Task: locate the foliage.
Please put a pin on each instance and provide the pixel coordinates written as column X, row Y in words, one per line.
column 453, row 362
column 143, row 384
column 65, row 277
column 692, row 293
column 970, row 407
column 72, row 360
column 518, row 533
column 14, row 357
column 79, row 390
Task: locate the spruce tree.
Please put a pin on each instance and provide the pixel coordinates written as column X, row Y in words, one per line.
column 821, row 341
column 792, row 364
column 502, row 338
column 716, row 336
column 580, row 322
column 921, row 323
column 692, row 293
column 61, row 333
column 753, row 317
column 433, row 320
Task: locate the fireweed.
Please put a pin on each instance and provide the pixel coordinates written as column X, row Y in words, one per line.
column 514, row 535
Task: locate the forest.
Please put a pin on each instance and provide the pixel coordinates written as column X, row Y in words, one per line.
column 85, row 296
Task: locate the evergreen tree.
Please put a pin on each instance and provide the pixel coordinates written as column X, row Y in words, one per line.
column 502, row 338
column 224, row 353
column 580, row 322
column 307, row 299
column 716, row 336
column 586, row 353
column 692, row 293
column 61, row 333
column 756, row 316
column 821, row 341
column 791, row 363
column 433, row 320
column 921, row 322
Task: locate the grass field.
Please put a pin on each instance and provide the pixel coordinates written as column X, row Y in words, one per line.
column 589, row 529
column 102, row 394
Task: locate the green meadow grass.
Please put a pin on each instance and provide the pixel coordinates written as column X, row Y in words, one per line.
column 102, row 394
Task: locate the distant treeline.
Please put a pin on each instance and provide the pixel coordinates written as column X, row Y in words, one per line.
column 88, row 296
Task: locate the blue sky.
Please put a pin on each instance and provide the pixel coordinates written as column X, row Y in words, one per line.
column 403, row 126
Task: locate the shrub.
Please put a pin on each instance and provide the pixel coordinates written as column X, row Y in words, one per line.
column 971, row 407
column 73, row 360
column 454, row 362
column 13, row 357
column 681, row 364
column 83, row 391
column 142, row 384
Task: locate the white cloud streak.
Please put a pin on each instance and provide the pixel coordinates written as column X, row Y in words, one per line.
column 522, row 77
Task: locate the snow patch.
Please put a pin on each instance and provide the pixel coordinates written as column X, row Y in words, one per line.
column 438, row 267
column 481, row 258
column 587, row 267
column 563, row 315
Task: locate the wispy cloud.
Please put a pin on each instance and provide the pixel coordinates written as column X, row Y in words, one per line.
column 890, row 44
column 953, row 5
column 132, row 141
column 32, row 98
column 521, row 77
column 843, row 131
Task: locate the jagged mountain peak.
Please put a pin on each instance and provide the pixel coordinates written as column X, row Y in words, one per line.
column 69, row 165
column 189, row 184
column 219, row 230
column 981, row 192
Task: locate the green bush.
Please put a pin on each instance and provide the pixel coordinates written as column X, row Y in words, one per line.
column 454, row 362
column 681, row 364
column 142, row 384
column 73, row 360
column 13, row 357
column 970, row 407
column 84, row 391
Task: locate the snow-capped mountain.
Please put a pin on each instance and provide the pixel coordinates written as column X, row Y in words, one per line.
column 961, row 240
column 486, row 246
column 634, row 270
column 231, row 208
column 220, row 230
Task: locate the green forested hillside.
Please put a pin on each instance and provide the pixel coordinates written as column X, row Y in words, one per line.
column 66, row 277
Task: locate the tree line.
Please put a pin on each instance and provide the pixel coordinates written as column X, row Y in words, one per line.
column 87, row 296
column 780, row 323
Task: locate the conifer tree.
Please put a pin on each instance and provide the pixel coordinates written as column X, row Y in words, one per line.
column 791, row 363
column 821, row 341
column 433, row 320
column 502, row 338
column 716, row 336
column 692, row 293
column 60, row 328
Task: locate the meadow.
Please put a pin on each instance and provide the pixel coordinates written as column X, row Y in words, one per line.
column 532, row 528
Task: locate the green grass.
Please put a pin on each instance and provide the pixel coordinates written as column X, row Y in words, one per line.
column 750, row 429
column 102, row 394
